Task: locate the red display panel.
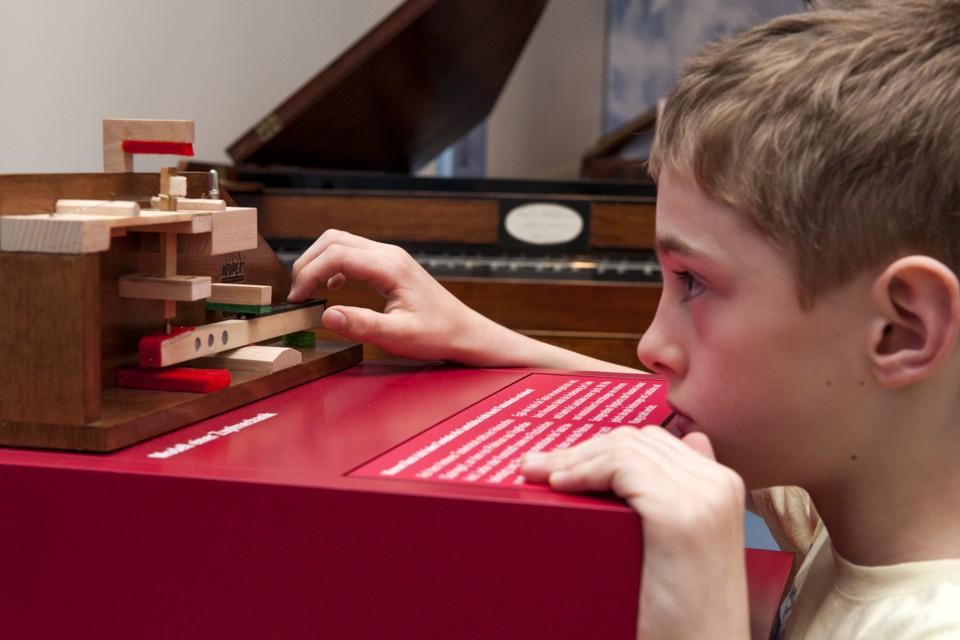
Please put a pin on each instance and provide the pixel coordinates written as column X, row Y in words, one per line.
column 542, row 412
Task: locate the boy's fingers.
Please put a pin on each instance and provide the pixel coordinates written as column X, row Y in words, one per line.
column 593, row 474
column 620, row 461
column 537, row 466
column 334, row 256
column 359, row 324
column 339, row 262
column 327, row 239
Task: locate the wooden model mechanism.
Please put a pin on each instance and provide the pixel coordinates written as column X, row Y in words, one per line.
column 134, row 304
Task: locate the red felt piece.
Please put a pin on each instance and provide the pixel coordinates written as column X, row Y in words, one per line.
column 174, row 379
column 158, row 147
column 150, row 344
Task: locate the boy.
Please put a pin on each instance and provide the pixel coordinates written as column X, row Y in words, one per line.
column 808, row 223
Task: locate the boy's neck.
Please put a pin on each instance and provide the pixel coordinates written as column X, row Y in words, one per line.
column 899, row 503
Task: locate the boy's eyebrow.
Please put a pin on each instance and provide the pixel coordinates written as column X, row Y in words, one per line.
column 665, row 245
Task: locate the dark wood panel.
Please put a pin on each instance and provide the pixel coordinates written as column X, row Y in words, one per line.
column 49, row 343
column 386, row 218
column 622, row 226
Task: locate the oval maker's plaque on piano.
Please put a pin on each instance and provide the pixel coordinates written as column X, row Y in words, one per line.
column 543, row 223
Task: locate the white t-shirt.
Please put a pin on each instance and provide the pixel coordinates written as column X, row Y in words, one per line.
column 833, row 598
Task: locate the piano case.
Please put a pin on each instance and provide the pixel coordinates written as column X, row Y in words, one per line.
column 566, row 262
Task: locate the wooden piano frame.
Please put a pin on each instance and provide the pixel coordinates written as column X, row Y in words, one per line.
column 66, row 330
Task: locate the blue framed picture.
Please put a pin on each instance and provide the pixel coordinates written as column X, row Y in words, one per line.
column 648, row 40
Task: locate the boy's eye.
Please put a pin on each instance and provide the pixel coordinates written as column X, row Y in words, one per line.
column 690, row 282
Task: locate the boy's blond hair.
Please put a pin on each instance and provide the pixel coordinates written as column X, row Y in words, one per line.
column 837, row 131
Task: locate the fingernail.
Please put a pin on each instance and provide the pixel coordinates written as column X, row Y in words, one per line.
column 533, row 461
column 334, row 320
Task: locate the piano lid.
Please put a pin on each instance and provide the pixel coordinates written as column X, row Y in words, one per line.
column 415, row 83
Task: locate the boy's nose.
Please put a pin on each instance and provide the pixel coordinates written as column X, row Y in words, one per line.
column 658, row 350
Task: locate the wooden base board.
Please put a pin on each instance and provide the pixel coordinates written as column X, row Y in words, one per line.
column 129, row 416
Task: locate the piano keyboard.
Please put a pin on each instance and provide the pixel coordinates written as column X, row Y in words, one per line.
column 516, row 266
column 634, row 267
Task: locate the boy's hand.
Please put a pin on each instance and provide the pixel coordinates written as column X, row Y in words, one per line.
column 694, row 577
column 420, row 320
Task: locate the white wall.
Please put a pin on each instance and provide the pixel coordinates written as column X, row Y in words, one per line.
column 551, row 109
column 67, row 64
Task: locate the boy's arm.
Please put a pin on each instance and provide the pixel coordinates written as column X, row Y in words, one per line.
column 421, row 319
column 694, row 577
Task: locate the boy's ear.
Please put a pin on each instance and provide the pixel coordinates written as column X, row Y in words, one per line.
column 917, row 300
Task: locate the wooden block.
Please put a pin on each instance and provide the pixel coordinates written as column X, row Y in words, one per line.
column 162, row 351
column 50, row 355
column 99, row 207
column 252, row 358
column 73, row 233
column 194, row 204
column 153, row 130
column 175, row 287
column 47, row 234
column 178, row 186
column 245, row 294
column 232, row 230
column 116, row 131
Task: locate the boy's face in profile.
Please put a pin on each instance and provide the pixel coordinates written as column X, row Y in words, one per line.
column 775, row 387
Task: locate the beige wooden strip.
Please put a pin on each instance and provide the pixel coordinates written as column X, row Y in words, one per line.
column 232, row 334
column 99, row 207
column 247, row 294
column 252, row 358
column 74, row 233
column 174, row 287
column 193, row 204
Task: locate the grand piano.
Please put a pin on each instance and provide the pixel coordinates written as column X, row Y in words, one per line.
column 567, row 262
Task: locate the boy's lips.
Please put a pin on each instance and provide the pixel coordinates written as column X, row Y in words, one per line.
column 679, row 424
